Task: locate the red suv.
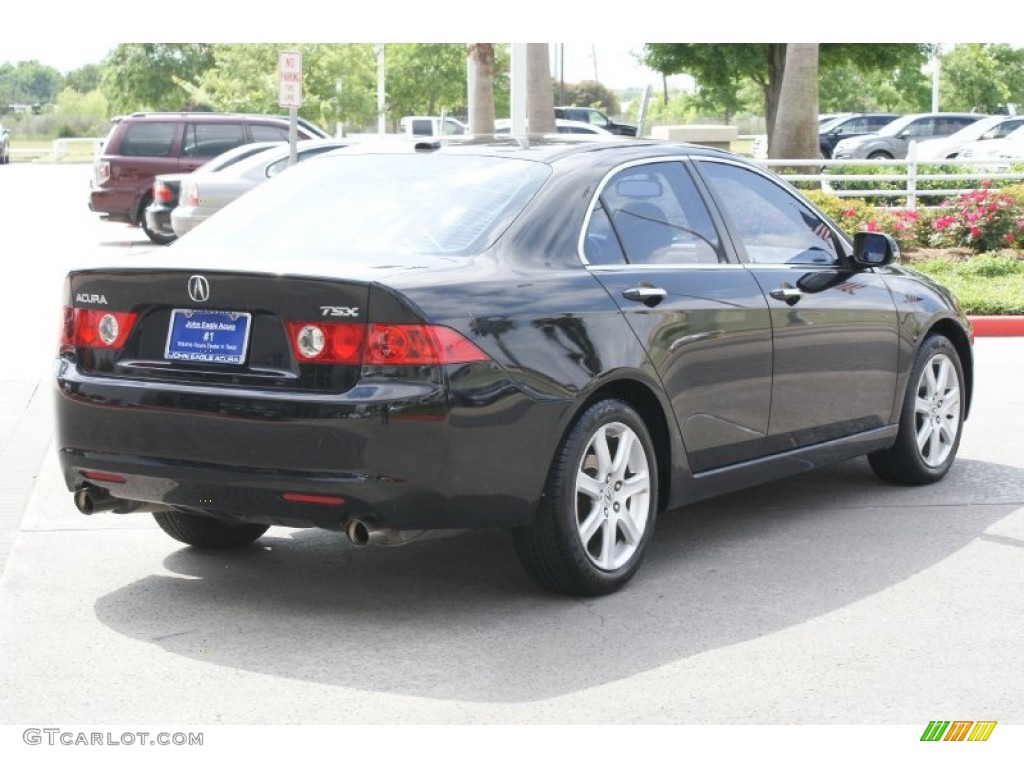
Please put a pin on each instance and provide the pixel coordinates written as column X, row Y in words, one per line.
column 145, row 144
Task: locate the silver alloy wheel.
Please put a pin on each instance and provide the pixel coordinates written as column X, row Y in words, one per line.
column 937, row 410
column 613, row 496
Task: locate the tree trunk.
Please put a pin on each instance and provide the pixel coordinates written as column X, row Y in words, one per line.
column 773, row 86
column 540, row 97
column 481, row 93
column 796, row 122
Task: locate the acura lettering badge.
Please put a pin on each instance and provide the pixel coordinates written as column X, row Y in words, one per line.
column 198, row 288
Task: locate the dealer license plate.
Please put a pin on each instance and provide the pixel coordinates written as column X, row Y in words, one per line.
column 208, row 336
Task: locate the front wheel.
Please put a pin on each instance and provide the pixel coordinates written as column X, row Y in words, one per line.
column 599, row 506
column 879, row 156
column 931, row 420
column 205, row 532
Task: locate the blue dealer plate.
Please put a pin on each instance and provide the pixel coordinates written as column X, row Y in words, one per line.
column 208, row 337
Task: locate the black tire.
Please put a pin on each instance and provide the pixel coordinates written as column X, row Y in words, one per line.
column 157, row 237
column 879, row 156
column 207, row 533
column 591, row 540
column 933, row 413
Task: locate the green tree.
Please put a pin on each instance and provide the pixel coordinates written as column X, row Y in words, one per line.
column 590, row 93
column 338, row 81
column 80, row 114
column 425, row 78
column 84, row 79
column 28, row 82
column 720, row 69
column 981, row 77
column 154, row 75
column 849, row 89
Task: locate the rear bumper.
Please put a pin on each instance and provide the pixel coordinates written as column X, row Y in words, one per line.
column 118, row 205
column 400, row 455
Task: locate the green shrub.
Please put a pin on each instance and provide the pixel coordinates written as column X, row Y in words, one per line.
column 982, row 220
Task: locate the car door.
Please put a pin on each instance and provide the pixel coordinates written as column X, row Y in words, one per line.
column 653, row 244
column 836, row 343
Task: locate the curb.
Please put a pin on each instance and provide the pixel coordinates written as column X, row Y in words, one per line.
column 997, row 325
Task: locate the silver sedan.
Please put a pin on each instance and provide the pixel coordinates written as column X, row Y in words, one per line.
column 202, row 196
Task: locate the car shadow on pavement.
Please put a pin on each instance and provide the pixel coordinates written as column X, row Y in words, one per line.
column 457, row 618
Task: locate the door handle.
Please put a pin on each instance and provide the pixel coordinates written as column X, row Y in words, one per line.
column 786, row 293
column 646, row 294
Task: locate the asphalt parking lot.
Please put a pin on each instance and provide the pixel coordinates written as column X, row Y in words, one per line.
column 829, row 598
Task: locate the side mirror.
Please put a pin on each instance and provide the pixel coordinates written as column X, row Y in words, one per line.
column 874, row 249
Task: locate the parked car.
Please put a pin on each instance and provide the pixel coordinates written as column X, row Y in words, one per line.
column 143, row 145
column 892, row 141
column 204, row 195
column 5, row 146
column 167, row 186
column 847, row 126
column 986, row 129
column 565, row 339
column 503, row 126
column 759, row 144
column 1002, row 152
column 427, row 125
column 595, row 117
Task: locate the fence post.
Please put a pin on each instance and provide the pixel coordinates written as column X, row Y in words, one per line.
column 912, row 176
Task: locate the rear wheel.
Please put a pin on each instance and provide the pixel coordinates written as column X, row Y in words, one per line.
column 879, row 156
column 931, row 420
column 207, row 533
column 598, row 511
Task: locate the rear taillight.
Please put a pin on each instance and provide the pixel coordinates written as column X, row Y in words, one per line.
column 191, row 195
column 102, row 172
column 95, row 329
column 418, row 345
column 380, row 344
column 162, row 193
column 336, row 343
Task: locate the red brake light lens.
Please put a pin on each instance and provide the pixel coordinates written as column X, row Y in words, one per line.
column 380, row 344
column 162, row 193
column 418, row 345
column 95, row 328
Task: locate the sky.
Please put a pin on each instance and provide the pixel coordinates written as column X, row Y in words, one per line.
column 85, row 33
column 85, row 37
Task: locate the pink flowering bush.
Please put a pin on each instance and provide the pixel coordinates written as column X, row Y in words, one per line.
column 982, row 220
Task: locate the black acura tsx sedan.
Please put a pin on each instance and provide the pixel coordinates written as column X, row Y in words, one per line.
column 562, row 338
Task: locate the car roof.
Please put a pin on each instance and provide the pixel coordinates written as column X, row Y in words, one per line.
column 545, row 148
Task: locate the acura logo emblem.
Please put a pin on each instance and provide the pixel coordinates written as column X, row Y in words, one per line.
column 198, row 288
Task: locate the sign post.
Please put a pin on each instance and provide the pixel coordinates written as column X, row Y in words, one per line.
column 289, row 94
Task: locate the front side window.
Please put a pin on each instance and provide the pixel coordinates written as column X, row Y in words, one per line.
column 657, row 216
column 771, row 223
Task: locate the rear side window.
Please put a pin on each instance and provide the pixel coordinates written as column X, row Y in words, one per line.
column 269, row 133
column 149, row 139
column 658, row 217
column 211, row 139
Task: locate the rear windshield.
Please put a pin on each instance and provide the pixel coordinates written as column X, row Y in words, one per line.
column 348, row 205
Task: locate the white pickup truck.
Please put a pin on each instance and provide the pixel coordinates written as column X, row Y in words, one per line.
column 426, row 125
